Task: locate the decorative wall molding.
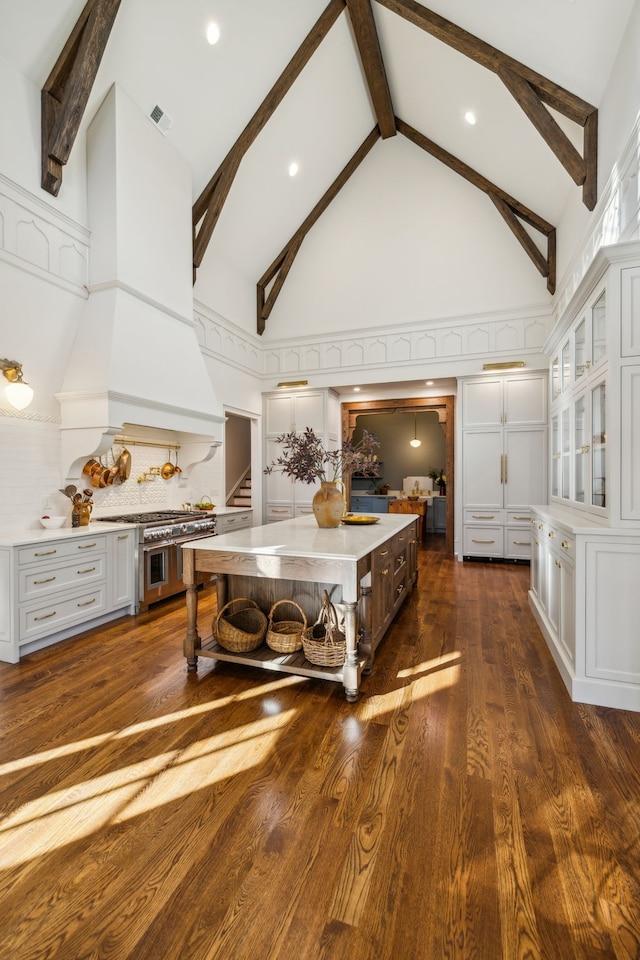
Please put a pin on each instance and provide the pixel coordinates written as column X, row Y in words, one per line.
column 31, row 415
column 40, row 240
column 616, row 219
column 522, row 333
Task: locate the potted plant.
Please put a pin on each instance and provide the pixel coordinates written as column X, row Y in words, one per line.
column 305, row 458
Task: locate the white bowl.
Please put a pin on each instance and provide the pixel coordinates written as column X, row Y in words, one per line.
column 52, row 523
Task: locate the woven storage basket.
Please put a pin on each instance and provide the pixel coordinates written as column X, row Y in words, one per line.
column 240, row 625
column 285, row 636
column 325, row 645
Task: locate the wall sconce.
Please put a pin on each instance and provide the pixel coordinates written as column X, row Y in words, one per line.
column 18, row 393
column 415, row 442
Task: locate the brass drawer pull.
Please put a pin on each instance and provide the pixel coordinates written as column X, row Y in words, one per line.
column 48, row 580
column 566, row 544
column 88, row 570
column 522, row 518
column 551, row 533
column 383, row 553
column 87, row 603
column 46, row 616
column 47, row 553
column 86, row 546
column 483, row 516
column 522, row 543
column 123, row 536
column 483, row 541
column 385, row 571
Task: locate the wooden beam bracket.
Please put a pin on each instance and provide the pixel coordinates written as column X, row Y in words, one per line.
column 66, row 91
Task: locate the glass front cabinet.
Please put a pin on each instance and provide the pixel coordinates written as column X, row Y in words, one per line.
column 578, row 377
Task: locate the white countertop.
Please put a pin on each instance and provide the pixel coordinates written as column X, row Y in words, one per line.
column 302, row 537
column 221, row 511
column 21, row 537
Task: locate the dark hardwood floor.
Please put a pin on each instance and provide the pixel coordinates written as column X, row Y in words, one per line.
column 463, row 808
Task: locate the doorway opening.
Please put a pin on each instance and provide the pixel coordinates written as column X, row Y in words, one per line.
column 444, row 408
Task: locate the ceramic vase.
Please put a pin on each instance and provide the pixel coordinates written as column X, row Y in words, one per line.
column 328, row 504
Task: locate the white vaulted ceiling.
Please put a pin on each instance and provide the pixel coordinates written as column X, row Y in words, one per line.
column 379, row 254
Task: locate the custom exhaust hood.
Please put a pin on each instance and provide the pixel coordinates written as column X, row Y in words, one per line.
column 136, row 359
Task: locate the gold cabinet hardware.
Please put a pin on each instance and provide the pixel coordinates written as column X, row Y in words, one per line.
column 585, row 448
column 483, row 541
column 540, row 526
column 88, row 570
column 522, row 518
column 47, row 553
column 87, row 603
column 46, row 616
column 123, row 536
column 385, row 571
column 48, row 580
column 551, row 533
column 483, row 516
column 565, row 544
column 557, row 563
column 522, row 543
column 86, row 546
column 383, row 553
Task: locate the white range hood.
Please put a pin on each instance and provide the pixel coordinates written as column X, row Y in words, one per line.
column 136, row 358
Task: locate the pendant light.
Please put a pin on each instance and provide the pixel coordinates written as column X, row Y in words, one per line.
column 415, row 442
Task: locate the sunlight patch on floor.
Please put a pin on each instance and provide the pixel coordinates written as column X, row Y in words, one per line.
column 65, row 816
column 77, row 746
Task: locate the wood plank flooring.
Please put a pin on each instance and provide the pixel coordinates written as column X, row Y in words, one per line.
column 462, row 808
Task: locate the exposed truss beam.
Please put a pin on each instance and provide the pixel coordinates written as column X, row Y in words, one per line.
column 510, row 209
column 280, row 267
column 211, row 201
column 366, row 35
column 66, row 91
column 530, row 89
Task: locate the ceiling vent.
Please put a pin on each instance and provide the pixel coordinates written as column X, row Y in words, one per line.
column 161, row 119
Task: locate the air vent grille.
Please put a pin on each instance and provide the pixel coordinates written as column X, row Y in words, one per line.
column 161, row 119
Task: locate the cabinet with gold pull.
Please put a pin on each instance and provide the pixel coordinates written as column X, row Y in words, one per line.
column 503, row 458
column 52, row 588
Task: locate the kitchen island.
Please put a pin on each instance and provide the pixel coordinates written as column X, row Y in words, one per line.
column 367, row 570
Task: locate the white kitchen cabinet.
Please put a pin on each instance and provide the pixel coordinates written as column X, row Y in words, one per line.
column 291, row 412
column 503, row 463
column 237, row 519
column 585, row 567
column 123, row 567
column 53, row 586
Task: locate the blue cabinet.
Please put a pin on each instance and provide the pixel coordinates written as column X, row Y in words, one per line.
column 367, row 503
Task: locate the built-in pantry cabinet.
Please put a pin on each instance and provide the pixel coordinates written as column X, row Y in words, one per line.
column 503, row 462
column 293, row 411
column 585, row 565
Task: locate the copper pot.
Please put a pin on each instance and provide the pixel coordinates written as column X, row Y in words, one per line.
column 124, row 465
column 91, row 466
column 167, row 470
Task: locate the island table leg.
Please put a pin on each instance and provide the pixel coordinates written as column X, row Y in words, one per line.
column 350, row 677
column 191, row 640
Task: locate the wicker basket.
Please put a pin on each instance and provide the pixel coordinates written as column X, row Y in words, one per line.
column 240, row 628
column 285, row 636
column 325, row 645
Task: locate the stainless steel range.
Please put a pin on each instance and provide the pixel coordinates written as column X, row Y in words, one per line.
column 160, row 536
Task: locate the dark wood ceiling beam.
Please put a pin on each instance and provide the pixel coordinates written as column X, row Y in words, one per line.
column 509, row 208
column 464, row 170
column 223, row 177
column 368, row 42
column 582, row 169
column 548, row 128
column 66, row 91
column 283, row 262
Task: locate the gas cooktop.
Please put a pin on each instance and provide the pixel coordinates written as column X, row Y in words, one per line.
column 160, row 516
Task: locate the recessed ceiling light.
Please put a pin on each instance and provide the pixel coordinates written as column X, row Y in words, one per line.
column 356, row 389
column 470, row 117
column 213, row 33
column 429, row 383
column 293, row 169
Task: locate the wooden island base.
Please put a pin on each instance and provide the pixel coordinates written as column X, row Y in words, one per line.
column 368, row 572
